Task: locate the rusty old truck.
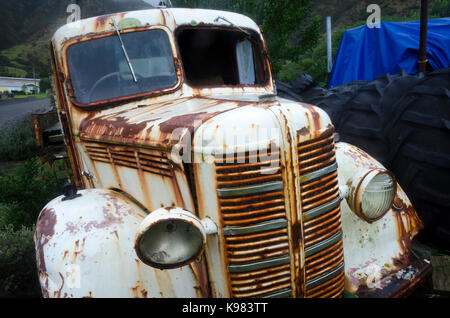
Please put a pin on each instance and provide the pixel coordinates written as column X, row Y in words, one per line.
column 192, row 178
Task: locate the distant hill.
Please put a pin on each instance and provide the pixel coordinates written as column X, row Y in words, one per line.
column 346, row 13
column 23, row 20
column 26, row 26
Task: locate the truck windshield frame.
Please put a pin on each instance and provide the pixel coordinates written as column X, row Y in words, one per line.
column 99, row 72
column 222, row 56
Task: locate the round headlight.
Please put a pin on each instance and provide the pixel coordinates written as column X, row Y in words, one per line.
column 371, row 193
column 170, row 238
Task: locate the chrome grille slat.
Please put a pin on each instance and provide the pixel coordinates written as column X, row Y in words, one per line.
column 279, row 294
column 255, row 225
column 253, row 214
column 316, row 248
column 322, row 209
column 318, row 173
column 257, row 293
column 322, row 234
column 257, row 228
column 257, row 265
column 247, row 190
column 272, row 280
column 319, row 280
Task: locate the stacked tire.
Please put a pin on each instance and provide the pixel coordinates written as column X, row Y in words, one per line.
column 404, row 122
column 418, row 134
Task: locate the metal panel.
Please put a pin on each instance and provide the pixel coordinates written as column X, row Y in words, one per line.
column 85, row 248
column 322, row 233
column 255, row 227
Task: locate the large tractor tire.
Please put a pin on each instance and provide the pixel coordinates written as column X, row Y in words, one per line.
column 404, row 122
column 418, row 133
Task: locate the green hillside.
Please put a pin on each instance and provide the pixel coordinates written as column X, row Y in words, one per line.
column 26, row 26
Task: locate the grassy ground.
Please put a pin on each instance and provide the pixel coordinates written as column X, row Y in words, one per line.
column 38, row 96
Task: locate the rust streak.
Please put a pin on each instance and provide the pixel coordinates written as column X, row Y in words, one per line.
column 45, row 229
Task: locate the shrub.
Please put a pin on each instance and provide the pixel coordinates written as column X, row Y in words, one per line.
column 17, row 140
column 18, row 272
column 440, row 8
column 25, row 192
column 289, row 71
column 312, row 62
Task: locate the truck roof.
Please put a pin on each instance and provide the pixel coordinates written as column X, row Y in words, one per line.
column 170, row 18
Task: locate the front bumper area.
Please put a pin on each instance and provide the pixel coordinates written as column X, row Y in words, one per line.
column 399, row 284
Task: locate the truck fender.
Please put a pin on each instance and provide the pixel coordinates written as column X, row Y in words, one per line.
column 375, row 253
column 85, row 248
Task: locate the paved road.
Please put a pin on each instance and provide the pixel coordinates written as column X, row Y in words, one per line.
column 17, row 110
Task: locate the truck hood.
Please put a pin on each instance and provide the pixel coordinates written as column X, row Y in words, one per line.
column 152, row 125
column 222, row 119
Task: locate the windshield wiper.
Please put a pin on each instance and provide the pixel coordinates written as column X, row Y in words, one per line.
column 231, row 23
column 124, row 50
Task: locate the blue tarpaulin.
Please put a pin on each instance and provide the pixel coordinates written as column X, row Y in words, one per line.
column 366, row 53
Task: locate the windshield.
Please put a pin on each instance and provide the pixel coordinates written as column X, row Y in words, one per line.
column 99, row 69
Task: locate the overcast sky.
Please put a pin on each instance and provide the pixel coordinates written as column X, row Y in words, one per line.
column 152, row 2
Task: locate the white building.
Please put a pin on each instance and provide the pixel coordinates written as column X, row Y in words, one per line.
column 11, row 84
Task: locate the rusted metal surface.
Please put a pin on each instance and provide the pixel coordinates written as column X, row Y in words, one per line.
column 322, row 228
column 171, row 18
column 85, row 248
column 159, row 125
column 63, row 113
column 422, row 62
column 149, row 176
column 265, row 170
column 243, row 211
column 399, row 284
column 243, row 215
column 37, row 131
column 373, row 251
column 49, row 141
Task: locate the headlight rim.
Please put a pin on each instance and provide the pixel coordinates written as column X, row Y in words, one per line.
column 354, row 199
column 162, row 216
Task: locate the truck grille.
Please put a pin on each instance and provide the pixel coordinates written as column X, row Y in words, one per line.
column 252, row 204
column 141, row 159
column 322, row 234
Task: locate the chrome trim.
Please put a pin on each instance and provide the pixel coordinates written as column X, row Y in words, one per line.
column 257, row 228
column 253, row 189
column 318, row 211
column 244, row 268
column 316, row 248
column 319, row 280
column 278, row 294
column 318, row 173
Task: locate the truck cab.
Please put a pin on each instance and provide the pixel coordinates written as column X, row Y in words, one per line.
column 194, row 179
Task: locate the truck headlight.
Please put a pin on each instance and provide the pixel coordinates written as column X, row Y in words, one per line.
column 371, row 193
column 172, row 237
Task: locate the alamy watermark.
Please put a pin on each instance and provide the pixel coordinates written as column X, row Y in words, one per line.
column 73, row 276
column 75, row 13
column 228, row 145
column 374, row 20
